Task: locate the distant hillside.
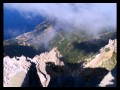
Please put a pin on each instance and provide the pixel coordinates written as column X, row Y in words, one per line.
column 79, row 48
column 75, row 46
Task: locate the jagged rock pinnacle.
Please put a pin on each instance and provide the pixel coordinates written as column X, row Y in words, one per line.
column 14, row 65
column 52, row 56
column 105, row 53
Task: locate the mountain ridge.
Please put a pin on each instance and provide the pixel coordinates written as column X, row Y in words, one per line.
column 86, row 59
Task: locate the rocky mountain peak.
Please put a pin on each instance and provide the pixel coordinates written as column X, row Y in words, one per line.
column 106, row 53
column 17, row 64
column 14, row 65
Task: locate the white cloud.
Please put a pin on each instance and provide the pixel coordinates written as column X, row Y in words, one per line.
column 14, row 32
column 92, row 16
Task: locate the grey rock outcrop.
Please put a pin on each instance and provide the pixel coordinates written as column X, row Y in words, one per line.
column 109, row 80
column 105, row 54
column 13, row 66
column 42, row 59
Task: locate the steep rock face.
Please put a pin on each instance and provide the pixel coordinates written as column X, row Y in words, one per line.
column 105, row 54
column 109, row 80
column 42, row 59
column 38, row 34
column 19, row 66
column 90, row 72
column 12, row 66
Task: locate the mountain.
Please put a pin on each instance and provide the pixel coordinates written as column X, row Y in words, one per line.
column 84, row 61
column 16, row 23
column 28, row 42
column 73, row 46
column 48, row 70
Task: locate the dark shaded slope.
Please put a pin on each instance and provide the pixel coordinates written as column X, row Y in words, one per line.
column 94, row 45
column 88, row 77
column 114, row 74
column 17, row 50
column 33, row 77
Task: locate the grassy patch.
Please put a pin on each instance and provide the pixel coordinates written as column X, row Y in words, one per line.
column 66, row 47
column 110, row 64
column 107, row 49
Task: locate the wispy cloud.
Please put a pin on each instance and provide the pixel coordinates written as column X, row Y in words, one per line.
column 12, row 32
column 92, row 16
